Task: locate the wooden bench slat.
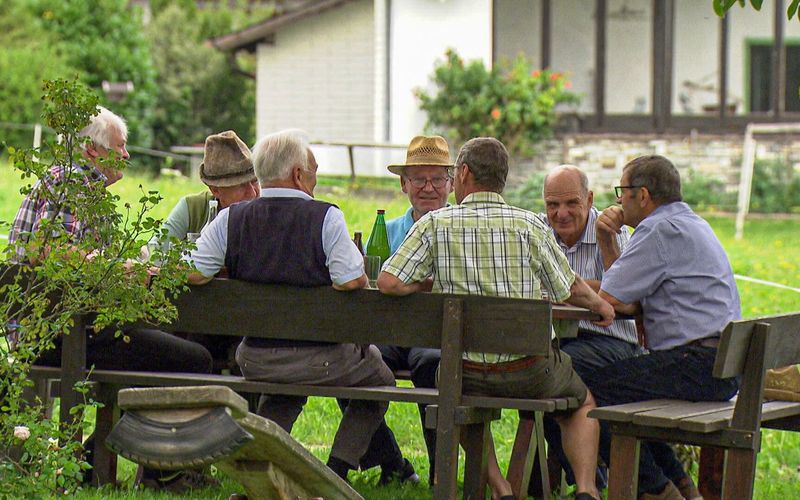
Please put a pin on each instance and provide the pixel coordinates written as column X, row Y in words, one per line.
column 671, row 416
column 626, row 412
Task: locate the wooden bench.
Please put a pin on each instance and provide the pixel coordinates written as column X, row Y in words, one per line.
column 452, row 323
column 747, row 349
column 177, row 428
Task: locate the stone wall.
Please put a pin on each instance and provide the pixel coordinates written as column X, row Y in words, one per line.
column 602, row 156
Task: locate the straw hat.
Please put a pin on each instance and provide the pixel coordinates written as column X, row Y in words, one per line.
column 226, row 161
column 425, row 151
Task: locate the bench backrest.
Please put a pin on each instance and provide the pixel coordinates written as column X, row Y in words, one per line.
column 736, row 343
column 488, row 324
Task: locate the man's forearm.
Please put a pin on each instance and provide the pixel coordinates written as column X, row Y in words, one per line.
column 197, row 278
column 582, row 295
column 630, row 309
column 391, row 285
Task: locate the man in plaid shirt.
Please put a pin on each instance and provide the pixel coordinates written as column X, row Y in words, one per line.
column 147, row 349
column 484, row 246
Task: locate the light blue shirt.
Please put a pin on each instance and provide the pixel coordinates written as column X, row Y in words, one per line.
column 344, row 261
column 398, row 228
column 585, row 259
column 676, row 267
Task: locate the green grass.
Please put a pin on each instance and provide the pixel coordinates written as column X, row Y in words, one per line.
column 769, row 251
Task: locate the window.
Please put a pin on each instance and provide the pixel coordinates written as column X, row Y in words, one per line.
column 760, row 77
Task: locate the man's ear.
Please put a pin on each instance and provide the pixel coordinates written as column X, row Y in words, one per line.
column 646, row 198
column 91, row 150
column 403, row 184
column 590, row 199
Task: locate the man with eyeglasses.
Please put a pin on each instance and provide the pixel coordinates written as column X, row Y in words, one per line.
column 674, row 272
column 426, row 179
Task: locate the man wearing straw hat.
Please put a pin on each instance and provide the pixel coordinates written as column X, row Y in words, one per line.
column 425, row 178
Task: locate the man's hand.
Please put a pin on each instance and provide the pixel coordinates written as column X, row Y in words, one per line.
column 608, row 226
column 605, row 310
column 609, row 222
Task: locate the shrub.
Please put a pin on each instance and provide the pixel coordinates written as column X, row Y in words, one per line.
column 512, row 102
column 529, row 194
column 99, row 274
column 776, row 188
column 704, row 192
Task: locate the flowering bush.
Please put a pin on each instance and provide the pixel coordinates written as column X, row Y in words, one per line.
column 512, row 102
column 102, row 275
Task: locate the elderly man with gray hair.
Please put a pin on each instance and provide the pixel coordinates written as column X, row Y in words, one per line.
column 285, row 236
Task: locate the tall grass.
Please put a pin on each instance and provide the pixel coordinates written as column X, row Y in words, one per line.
column 770, row 251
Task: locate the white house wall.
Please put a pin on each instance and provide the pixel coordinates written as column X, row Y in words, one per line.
column 421, row 32
column 318, row 76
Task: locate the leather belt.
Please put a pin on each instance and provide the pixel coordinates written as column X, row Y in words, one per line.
column 706, row 342
column 508, row 366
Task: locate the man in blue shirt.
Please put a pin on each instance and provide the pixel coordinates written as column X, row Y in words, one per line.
column 675, row 273
column 426, row 180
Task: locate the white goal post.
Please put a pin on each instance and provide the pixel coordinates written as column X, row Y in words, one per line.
column 748, row 160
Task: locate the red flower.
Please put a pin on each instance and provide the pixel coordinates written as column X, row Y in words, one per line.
column 535, row 73
column 568, row 84
column 495, row 113
column 554, row 77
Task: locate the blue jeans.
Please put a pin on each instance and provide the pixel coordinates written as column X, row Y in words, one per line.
column 589, row 351
column 683, row 372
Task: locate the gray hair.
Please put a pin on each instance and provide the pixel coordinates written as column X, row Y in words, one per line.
column 658, row 175
column 584, row 179
column 487, row 159
column 101, row 125
column 276, row 154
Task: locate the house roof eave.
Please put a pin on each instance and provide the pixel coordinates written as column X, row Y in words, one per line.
column 263, row 32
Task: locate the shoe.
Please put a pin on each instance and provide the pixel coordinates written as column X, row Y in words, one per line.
column 670, row 492
column 688, row 489
column 180, row 482
column 405, row 474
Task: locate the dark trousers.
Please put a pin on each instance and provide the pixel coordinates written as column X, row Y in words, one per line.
column 589, row 351
column 422, row 363
column 679, row 373
column 146, row 350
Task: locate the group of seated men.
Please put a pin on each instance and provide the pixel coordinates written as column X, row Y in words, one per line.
column 671, row 271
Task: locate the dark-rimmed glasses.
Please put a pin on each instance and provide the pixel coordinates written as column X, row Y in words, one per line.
column 618, row 189
column 421, row 182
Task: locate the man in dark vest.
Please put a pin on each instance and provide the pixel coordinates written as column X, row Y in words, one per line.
column 287, row 237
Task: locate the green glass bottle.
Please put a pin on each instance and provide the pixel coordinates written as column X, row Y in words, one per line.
column 378, row 243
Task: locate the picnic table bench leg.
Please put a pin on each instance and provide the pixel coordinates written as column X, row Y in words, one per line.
column 624, row 468
column 522, row 456
column 105, row 462
column 740, row 474
column 709, row 476
column 475, row 443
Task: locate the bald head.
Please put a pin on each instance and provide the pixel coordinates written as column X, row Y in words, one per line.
column 567, row 201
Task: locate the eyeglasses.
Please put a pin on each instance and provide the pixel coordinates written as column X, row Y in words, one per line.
column 618, row 189
column 421, row 182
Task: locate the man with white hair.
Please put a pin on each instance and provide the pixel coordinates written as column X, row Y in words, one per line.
column 285, row 236
column 140, row 349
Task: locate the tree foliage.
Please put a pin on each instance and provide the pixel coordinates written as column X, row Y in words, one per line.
column 723, row 6
column 100, row 274
column 512, row 102
column 199, row 94
column 104, row 41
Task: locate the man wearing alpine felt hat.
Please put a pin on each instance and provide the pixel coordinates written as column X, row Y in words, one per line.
column 227, row 170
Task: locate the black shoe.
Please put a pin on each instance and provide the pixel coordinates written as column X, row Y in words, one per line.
column 405, row 474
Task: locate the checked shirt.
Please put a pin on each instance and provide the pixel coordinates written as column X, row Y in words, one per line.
column 483, row 246
column 37, row 206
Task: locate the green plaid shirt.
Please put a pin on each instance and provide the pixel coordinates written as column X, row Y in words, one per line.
column 484, row 246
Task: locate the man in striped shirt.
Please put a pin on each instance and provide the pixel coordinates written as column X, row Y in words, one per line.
column 571, row 215
column 483, row 246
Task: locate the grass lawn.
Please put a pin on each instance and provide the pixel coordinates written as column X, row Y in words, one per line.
column 770, row 251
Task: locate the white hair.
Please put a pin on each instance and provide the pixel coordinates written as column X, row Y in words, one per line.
column 101, row 125
column 276, row 154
